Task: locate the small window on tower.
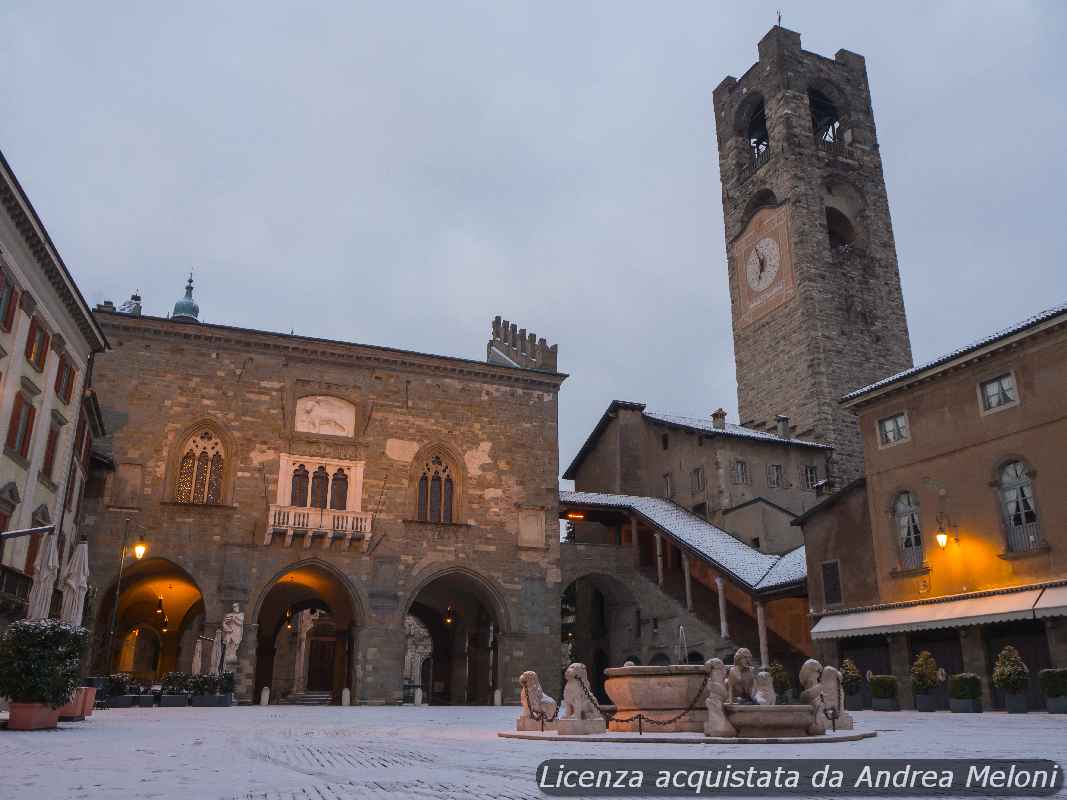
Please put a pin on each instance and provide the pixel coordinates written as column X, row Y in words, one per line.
column 825, row 120
column 840, row 229
column 665, row 441
column 758, row 138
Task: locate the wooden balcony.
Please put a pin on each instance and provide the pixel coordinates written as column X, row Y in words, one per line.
column 324, row 524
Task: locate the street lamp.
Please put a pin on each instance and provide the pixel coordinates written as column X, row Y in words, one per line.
column 139, row 550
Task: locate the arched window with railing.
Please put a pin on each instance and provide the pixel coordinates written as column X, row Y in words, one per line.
column 909, row 532
column 1021, row 525
column 201, row 470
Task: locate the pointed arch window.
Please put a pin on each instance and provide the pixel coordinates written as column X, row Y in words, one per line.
column 906, row 513
column 299, row 492
column 201, row 470
column 1019, row 508
column 436, row 488
column 339, row 491
column 320, row 488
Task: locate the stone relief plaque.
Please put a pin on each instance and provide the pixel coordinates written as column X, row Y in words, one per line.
column 762, row 263
column 326, row 415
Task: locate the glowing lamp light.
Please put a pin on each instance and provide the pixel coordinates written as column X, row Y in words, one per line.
column 140, row 548
column 166, row 623
column 450, row 615
column 159, row 605
column 942, row 539
column 575, row 515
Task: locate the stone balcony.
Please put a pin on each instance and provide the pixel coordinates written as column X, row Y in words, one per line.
column 324, row 524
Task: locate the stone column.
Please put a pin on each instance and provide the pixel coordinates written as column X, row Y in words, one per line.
column 900, row 666
column 972, row 647
column 761, row 626
column 659, row 559
column 245, row 669
column 688, row 582
column 724, row 630
column 634, row 543
column 304, row 623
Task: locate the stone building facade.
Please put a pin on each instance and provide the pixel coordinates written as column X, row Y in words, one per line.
column 752, row 483
column 290, row 475
column 814, row 285
column 48, row 416
column 952, row 542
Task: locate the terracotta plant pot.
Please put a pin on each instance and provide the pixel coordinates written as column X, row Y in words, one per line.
column 90, row 701
column 74, row 710
column 32, row 717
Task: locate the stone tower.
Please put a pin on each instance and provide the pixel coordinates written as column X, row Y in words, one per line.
column 814, row 285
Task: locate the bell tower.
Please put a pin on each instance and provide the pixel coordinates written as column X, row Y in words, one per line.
column 814, row 285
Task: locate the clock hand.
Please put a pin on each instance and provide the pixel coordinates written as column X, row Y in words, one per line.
column 762, row 262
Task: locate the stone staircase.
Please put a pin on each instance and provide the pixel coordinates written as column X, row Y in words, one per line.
column 307, row 699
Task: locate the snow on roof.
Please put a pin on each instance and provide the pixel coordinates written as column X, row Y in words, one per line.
column 757, row 570
column 707, row 426
column 993, row 338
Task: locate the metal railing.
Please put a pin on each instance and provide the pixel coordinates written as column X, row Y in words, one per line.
column 835, row 148
column 911, row 557
column 1024, row 537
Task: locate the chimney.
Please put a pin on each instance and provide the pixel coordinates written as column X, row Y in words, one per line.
column 718, row 419
column 783, row 425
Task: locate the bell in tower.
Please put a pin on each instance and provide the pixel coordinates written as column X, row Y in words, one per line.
column 814, row 285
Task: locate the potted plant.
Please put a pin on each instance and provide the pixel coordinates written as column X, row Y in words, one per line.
column 884, row 693
column 175, row 690
column 852, row 683
column 227, row 681
column 145, row 698
column 924, row 679
column 119, row 694
column 39, row 670
column 783, row 684
column 1054, row 687
column 203, row 690
column 965, row 693
column 1011, row 676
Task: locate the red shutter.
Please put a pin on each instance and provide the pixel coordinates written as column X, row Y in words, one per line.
column 31, row 339
column 31, row 415
column 50, row 451
column 13, row 426
column 69, row 390
column 42, row 355
column 61, row 371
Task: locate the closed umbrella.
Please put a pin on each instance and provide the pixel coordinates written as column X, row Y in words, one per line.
column 75, row 585
column 216, row 653
column 44, row 580
column 198, row 655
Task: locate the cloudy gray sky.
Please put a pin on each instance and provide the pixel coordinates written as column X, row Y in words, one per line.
column 398, row 173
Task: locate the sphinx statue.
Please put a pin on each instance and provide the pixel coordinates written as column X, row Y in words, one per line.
column 763, row 692
column 578, row 714
column 833, row 698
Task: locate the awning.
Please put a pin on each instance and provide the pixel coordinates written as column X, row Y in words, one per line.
column 1053, row 603
column 925, row 616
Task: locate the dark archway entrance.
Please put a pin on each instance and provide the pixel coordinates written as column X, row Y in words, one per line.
column 160, row 614
column 464, row 621
column 599, row 625
column 307, row 627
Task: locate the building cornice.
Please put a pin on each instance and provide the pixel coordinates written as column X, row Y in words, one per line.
column 326, row 350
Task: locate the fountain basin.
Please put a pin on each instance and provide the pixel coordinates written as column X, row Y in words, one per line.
column 659, row 693
column 753, row 721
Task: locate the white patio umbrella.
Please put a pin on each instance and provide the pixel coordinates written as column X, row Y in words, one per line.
column 198, row 655
column 44, row 579
column 216, row 654
column 75, row 584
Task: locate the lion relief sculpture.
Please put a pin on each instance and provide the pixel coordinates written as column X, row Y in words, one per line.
column 576, row 702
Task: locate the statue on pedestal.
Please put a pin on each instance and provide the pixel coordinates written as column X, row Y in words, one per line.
column 811, row 694
column 741, row 680
column 833, row 697
column 536, row 705
column 579, row 715
column 763, row 692
column 233, row 631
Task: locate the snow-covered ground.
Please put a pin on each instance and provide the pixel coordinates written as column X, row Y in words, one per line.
column 278, row 753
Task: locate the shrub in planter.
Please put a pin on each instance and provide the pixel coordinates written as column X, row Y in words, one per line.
column 1012, row 677
column 965, row 693
column 924, row 680
column 783, row 684
column 884, row 693
column 852, row 683
column 1054, row 687
column 204, row 690
column 227, row 682
column 40, row 665
column 175, row 690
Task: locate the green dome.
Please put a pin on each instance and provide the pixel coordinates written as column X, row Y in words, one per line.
column 186, row 309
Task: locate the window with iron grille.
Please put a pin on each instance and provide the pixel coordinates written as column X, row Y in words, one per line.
column 65, row 379
column 774, row 476
column 1000, row 392
column 37, row 345
column 893, row 430
column 811, row 475
column 697, row 480
column 20, row 428
column 8, row 302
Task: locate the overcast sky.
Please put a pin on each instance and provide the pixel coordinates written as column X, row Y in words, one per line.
column 399, row 173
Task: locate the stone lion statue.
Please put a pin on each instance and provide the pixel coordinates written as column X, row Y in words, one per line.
column 534, row 700
column 763, row 692
column 740, row 680
column 717, row 724
column 576, row 702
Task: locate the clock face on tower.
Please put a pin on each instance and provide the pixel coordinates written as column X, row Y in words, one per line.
column 762, row 260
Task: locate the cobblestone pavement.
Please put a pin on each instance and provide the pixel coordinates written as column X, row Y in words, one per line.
column 295, row 753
